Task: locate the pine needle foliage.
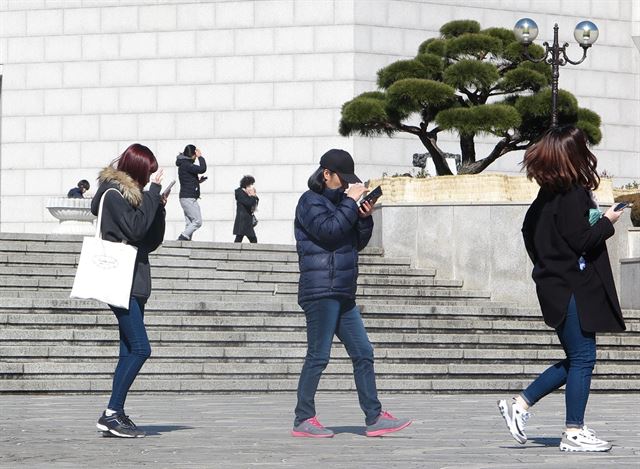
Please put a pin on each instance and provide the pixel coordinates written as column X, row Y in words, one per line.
column 470, row 81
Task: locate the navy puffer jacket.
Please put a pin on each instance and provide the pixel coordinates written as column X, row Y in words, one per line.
column 329, row 233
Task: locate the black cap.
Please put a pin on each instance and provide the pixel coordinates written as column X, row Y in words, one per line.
column 340, row 162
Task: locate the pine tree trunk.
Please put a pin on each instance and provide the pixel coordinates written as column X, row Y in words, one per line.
column 478, row 166
column 468, row 149
column 437, row 155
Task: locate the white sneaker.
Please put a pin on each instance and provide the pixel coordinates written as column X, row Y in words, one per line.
column 584, row 440
column 516, row 418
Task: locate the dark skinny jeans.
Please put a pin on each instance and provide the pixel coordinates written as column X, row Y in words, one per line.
column 134, row 351
column 575, row 370
column 327, row 317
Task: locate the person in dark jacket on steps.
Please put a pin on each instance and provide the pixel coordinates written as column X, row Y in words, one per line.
column 78, row 191
column 330, row 229
column 190, row 178
column 136, row 217
column 564, row 235
column 246, row 205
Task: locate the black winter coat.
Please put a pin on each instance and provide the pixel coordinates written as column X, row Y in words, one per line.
column 189, row 176
column 329, row 233
column 556, row 233
column 136, row 217
column 75, row 193
column 245, row 206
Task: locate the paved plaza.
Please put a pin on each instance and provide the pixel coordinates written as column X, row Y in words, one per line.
column 227, row 431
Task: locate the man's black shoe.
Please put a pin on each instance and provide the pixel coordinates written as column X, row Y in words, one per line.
column 183, row 238
column 119, row 425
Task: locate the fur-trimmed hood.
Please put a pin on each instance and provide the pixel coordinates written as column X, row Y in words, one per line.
column 127, row 186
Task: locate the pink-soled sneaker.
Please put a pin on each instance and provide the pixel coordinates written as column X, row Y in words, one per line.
column 386, row 423
column 311, row 428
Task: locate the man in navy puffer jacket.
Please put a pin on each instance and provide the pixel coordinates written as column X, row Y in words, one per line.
column 330, row 229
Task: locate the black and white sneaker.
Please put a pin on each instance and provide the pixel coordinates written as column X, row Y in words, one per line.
column 584, row 440
column 515, row 416
column 119, row 425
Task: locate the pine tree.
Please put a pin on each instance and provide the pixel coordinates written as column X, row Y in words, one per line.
column 471, row 82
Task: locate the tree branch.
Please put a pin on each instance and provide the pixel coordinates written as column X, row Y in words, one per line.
column 477, row 167
column 437, row 155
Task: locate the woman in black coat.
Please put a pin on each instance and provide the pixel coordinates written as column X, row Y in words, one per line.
column 136, row 217
column 565, row 234
column 246, row 205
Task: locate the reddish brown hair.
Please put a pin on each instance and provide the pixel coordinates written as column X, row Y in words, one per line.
column 561, row 160
column 138, row 162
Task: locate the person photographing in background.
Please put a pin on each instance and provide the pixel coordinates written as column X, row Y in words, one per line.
column 190, row 178
column 330, row 229
column 246, row 205
column 78, row 191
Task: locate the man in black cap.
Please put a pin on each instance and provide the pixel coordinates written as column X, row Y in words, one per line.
column 330, row 229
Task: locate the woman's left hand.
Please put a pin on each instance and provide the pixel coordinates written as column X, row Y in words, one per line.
column 163, row 199
column 365, row 210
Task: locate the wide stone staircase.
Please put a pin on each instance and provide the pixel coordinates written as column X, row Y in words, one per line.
column 224, row 318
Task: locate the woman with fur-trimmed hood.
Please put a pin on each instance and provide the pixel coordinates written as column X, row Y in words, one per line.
column 136, row 217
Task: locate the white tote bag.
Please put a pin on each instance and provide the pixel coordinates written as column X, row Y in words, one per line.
column 105, row 269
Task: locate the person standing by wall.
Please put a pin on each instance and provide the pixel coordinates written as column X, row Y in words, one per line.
column 330, row 228
column 190, row 178
column 246, row 205
column 136, row 217
column 574, row 282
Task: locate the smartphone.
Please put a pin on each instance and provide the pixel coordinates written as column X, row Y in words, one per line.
column 621, row 206
column 372, row 196
column 168, row 189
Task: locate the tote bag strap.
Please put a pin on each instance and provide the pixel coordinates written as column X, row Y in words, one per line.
column 99, row 224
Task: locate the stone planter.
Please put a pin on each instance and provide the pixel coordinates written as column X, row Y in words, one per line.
column 471, row 231
column 469, row 189
column 74, row 215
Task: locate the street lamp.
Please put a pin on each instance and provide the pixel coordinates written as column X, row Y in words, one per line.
column 586, row 34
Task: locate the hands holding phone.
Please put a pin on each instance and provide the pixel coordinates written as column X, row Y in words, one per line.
column 615, row 211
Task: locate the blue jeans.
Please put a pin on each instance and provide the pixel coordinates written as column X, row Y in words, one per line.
column 575, row 370
column 134, row 351
column 325, row 318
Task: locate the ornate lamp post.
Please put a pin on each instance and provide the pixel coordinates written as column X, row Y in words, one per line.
column 586, row 34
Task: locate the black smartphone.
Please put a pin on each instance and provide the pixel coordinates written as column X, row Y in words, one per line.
column 168, row 189
column 372, row 196
column 621, row 206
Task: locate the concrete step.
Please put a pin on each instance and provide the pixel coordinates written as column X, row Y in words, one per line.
column 296, row 352
column 436, row 297
column 421, row 278
column 210, row 369
column 98, row 335
column 155, row 321
column 262, row 282
column 26, row 241
column 247, row 384
column 273, row 305
column 200, row 258
column 222, row 270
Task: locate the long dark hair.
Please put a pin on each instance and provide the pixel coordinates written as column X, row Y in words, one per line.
column 189, row 151
column 138, row 162
column 316, row 181
column 561, row 160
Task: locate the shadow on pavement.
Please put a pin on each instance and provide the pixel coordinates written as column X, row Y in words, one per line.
column 354, row 430
column 545, row 441
column 536, row 442
column 154, row 430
